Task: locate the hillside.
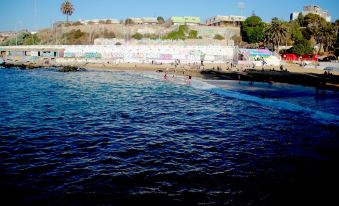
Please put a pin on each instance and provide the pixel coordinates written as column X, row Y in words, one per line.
column 78, row 34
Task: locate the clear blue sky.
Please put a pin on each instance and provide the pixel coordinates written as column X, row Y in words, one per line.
column 20, row 14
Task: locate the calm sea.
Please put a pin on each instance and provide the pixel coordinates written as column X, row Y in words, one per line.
column 121, row 138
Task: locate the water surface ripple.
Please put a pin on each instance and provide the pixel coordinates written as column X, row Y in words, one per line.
column 117, row 138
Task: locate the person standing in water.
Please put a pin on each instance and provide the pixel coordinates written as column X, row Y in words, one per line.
column 189, row 78
column 165, row 76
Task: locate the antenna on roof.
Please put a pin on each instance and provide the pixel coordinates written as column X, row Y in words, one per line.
column 241, row 6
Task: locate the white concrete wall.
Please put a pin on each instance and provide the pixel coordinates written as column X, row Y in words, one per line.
column 155, row 53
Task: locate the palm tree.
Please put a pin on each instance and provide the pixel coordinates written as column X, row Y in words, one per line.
column 276, row 33
column 67, row 9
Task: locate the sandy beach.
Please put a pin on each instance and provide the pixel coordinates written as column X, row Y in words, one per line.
column 290, row 73
column 196, row 68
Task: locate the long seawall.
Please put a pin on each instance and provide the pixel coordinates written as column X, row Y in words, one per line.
column 124, row 53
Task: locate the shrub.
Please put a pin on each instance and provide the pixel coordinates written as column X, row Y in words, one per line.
column 193, row 34
column 108, row 34
column 76, row 37
column 137, row 36
column 219, row 37
column 237, row 39
column 78, row 23
column 182, row 33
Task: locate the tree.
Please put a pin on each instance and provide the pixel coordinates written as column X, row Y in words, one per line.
column 301, row 47
column 276, row 33
column 128, row 21
column 161, row 20
column 294, row 31
column 252, row 29
column 313, row 19
column 312, row 23
column 301, row 19
column 67, row 9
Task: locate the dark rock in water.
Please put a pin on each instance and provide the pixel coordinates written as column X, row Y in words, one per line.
column 71, row 69
column 8, row 65
column 22, row 66
column 31, row 66
column 160, row 70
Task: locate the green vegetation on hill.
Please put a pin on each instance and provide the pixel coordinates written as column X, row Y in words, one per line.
column 219, row 37
column 23, row 38
column 137, row 36
column 75, row 37
column 183, row 33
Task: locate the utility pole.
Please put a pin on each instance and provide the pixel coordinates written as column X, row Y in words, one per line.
column 17, row 29
column 241, row 6
column 35, row 18
column 56, row 35
column 16, row 37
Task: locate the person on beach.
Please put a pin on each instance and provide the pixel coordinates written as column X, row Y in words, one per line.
column 165, row 76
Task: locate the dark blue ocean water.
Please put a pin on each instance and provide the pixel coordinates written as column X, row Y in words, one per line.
column 120, row 138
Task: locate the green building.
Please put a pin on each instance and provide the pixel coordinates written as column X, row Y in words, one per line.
column 184, row 20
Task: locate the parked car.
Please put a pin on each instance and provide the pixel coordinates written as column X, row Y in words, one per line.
column 328, row 59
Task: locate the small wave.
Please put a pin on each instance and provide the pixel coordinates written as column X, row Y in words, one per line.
column 322, row 117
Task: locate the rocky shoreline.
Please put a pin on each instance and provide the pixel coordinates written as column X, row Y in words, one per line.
column 38, row 66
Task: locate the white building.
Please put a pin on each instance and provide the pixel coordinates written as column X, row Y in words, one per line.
column 312, row 10
column 136, row 20
column 98, row 21
column 149, row 20
column 225, row 20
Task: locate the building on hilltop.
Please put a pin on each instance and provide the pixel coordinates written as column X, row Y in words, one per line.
column 98, row 21
column 312, row 10
column 143, row 20
column 149, row 20
column 135, row 20
column 184, row 20
column 225, row 21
